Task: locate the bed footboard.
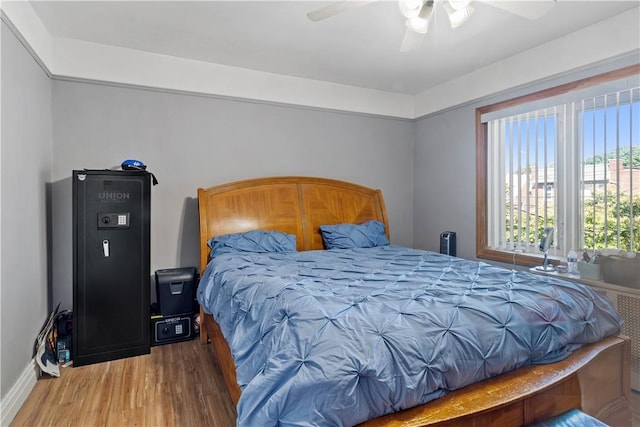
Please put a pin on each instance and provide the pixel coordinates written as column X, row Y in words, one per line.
column 595, row 379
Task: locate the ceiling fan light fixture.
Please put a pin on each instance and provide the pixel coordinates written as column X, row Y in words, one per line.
column 459, row 4
column 420, row 23
column 417, row 25
column 410, row 8
column 457, row 17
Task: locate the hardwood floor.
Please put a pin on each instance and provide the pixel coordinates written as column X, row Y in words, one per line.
column 173, row 386
column 176, row 385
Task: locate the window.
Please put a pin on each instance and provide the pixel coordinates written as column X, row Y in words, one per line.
column 567, row 157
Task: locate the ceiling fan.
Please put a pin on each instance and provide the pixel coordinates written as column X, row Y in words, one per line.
column 418, row 13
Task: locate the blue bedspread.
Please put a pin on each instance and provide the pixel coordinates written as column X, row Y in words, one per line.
column 336, row 337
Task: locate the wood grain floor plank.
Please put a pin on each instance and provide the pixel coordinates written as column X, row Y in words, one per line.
column 176, row 385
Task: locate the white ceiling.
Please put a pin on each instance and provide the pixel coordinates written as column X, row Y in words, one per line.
column 359, row 47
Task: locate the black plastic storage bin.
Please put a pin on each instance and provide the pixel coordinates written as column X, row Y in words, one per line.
column 175, row 289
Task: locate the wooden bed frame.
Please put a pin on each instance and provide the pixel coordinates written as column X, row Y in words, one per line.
column 596, row 378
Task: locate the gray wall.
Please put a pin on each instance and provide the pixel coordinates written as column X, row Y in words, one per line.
column 444, row 181
column 192, row 141
column 25, row 173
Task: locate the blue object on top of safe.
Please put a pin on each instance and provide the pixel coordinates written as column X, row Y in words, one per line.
column 131, row 164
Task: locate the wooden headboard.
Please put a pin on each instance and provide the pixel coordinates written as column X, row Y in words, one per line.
column 291, row 204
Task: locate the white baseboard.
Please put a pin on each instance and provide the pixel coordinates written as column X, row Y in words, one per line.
column 12, row 402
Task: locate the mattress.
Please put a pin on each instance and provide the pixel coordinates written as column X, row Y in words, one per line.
column 337, row 337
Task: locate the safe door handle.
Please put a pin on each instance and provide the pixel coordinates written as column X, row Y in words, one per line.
column 105, row 247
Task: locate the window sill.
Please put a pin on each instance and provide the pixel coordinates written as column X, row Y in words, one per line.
column 517, row 258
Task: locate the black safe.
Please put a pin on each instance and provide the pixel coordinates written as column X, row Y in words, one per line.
column 111, row 265
column 166, row 330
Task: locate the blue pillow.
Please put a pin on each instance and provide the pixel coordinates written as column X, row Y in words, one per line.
column 253, row 241
column 346, row 236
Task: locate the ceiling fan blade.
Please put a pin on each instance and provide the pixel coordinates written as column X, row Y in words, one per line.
column 411, row 41
column 525, row 8
column 334, row 9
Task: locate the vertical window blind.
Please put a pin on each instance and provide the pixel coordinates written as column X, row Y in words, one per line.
column 573, row 164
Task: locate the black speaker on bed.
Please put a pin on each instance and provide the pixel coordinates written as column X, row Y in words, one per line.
column 111, row 265
column 448, row 243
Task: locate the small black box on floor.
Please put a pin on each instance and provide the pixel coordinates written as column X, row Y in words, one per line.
column 165, row 330
column 175, row 289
